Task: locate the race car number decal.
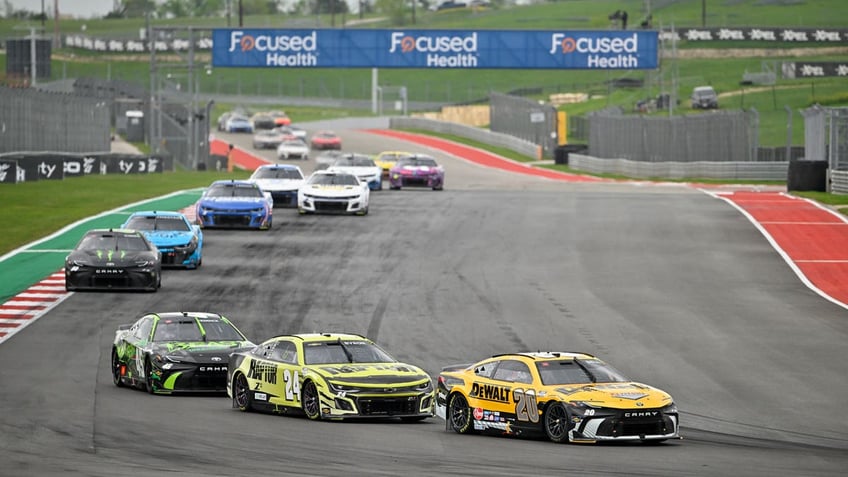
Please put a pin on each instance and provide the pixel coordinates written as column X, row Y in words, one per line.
column 292, row 385
column 526, row 408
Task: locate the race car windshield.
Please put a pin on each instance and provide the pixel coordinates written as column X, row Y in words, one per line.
column 220, row 331
column 177, row 330
column 355, row 162
column 574, row 371
column 418, row 162
column 333, row 179
column 233, row 191
column 342, row 352
column 278, row 174
column 146, row 222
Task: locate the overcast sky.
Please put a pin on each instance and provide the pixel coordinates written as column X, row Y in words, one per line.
column 77, row 8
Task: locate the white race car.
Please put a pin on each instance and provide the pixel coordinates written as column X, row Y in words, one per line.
column 280, row 180
column 361, row 166
column 293, row 149
column 333, row 192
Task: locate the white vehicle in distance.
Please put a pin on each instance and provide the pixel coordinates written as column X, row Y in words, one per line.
column 361, row 166
column 293, row 149
column 282, row 181
column 333, row 192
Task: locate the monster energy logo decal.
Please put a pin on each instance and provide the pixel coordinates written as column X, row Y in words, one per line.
column 109, row 254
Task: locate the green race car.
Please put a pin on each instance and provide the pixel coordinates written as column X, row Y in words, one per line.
column 328, row 376
column 176, row 352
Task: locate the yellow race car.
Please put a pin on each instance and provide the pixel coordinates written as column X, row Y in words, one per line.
column 387, row 159
column 570, row 397
column 328, row 376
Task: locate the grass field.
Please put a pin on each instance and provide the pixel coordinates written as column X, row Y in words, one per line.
column 32, row 210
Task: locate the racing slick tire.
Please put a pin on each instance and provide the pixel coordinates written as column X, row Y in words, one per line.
column 459, row 414
column 557, row 422
column 116, row 369
column 310, row 401
column 241, row 394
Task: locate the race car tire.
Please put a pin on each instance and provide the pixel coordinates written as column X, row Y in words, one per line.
column 148, row 379
column 241, row 393
column 116, row 369
column 556, row 422
column 459, row 414
column 310, row 401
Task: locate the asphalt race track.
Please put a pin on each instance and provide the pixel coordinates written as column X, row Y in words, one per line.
column 675, row 288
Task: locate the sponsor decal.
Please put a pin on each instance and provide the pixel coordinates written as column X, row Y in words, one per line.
column 642, row 414
column 490, row 392
column 478, row 413
column 443, row 51
column 287, row 50
column 602, row 52
column 266, row 372
column 212, row 369
column 260, row 396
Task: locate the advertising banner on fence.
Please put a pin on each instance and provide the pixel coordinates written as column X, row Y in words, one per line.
column 38, row 167
column 812, row 69
column 480, row 49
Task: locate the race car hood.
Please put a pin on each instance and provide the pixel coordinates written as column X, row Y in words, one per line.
column 358, row 171
column 233, row 203
column 201, row 352
column 333, row 190
column 378, row 374
column 165, row 238
column 628, row 395
column 111, row 257
column 279, row 184
column 416, row 170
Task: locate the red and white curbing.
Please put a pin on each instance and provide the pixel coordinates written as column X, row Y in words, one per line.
column 27, row 306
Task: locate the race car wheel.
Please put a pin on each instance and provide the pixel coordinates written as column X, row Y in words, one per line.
column 459, row 414
column 556, row 423
column 310, row 400
column 116, row 369
column 241, row 393
column 148, row 375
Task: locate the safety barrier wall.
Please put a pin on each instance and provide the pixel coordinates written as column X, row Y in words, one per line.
column 776, row 171
column 716, row 137
column 484, row 136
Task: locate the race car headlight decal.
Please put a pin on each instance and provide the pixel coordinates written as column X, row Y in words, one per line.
column 143, row 263
column 426, row 386
column 342, row 388
column 670, row 409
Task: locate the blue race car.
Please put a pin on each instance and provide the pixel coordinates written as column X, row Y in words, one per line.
column 235, row 204
column 180, row 241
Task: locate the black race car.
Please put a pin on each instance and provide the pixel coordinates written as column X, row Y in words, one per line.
column 176, row 352
column 107, row 259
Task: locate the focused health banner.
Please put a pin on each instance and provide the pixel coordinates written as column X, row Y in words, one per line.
column 476, row 49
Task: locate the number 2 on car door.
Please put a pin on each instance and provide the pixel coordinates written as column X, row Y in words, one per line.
column 292, row 385
column 526, row 408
